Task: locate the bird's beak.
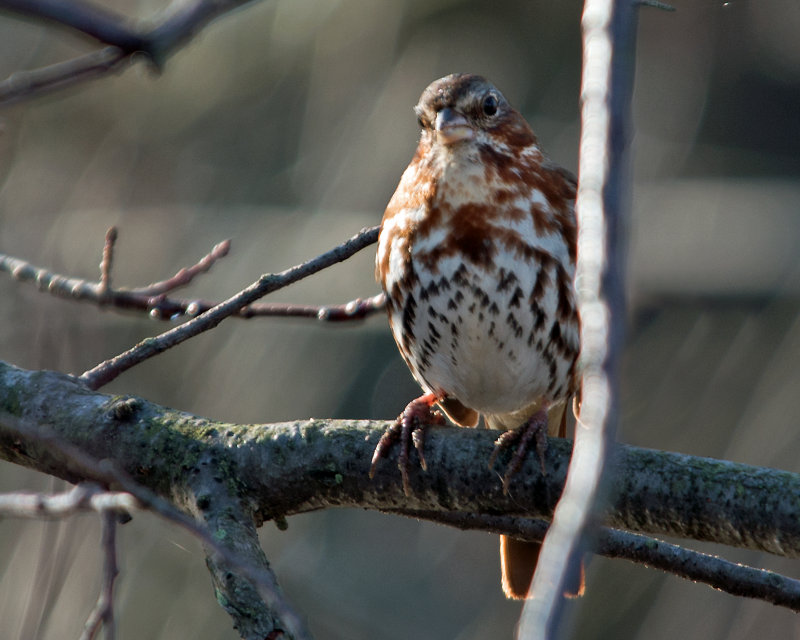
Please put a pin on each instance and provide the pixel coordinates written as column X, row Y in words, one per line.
column 452, row 127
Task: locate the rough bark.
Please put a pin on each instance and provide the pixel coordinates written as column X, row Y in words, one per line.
column 293, row 467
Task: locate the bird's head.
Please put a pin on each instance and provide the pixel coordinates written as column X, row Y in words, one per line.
column 464, row 107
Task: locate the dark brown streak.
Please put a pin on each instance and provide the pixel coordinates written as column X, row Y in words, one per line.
column 506, row 279
column 409, row 315
column 542, row 283
column 566, row 303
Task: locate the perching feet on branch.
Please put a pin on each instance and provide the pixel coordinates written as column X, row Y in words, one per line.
column 409, row 427
column 534, row 428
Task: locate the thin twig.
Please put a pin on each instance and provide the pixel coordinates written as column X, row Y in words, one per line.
column 718, row 573
column 153, row 299
column 21, row 85
column 731, row 577
column 145, row 298
column 180, row 23
column 85, row 496
column 183, row 21
column 97, row 22
column 102, row 615
column 185, row 276
column 108, row 262
column 110, row 369
column 164, row 308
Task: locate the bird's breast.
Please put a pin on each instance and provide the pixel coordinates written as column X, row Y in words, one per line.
column 483, row 307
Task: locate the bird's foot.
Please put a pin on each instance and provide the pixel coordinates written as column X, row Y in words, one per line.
column 408, row 428
column 534, row 428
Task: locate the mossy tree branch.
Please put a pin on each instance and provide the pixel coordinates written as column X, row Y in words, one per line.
column 272, row 471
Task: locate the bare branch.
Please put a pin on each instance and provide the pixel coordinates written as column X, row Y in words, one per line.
column 182, row 21
column 153, row 300
column 25, row 84
column 324, row 464
column 163, row 308
column 102, row 615
column 185, row 276
column 110, row 369
column 85, row 496
column 150, row 298
column 731, row 577
column 238, row 555
column 95, row 21
column 107, row 262
column 718, row 573
column 602, row 204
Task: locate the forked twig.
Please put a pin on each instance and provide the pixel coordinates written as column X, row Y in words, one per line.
column 154, row 300
column 101, row 292
column 268, row 283
column 127, row 39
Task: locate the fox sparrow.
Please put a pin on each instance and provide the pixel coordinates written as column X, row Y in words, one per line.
column 476, row 257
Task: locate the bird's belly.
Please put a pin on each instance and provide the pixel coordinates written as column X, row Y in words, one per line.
column 501, row 375
column 479, row 334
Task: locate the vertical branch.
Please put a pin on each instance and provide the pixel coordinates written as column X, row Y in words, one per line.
column 602, row 203
column 103, row 613
column 108, row 261
column 249, row 592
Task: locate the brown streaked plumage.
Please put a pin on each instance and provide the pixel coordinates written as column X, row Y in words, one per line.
column 476, row 256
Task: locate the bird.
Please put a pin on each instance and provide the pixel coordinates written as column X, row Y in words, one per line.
column 476, row 258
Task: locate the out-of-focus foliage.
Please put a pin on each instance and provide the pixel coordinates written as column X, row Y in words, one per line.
column 285, row 126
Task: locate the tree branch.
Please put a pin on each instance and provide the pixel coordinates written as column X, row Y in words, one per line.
column 180, row 23
column 103, row 612
column 245, row 583
column 602, row 204
column 731, row 577
column 153, row 299
column 97, row 22
column 62, row 75
column 85, row 496
column 268, row 283
column 289, row 468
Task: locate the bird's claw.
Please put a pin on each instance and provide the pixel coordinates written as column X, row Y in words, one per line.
column 535, row 428
column 408, row 428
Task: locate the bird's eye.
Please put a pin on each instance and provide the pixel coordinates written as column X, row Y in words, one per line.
column 490, row 104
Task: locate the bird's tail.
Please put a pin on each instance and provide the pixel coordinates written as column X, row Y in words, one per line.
column 518, row 558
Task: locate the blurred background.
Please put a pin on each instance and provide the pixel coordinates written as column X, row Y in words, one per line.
column 285, row 126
